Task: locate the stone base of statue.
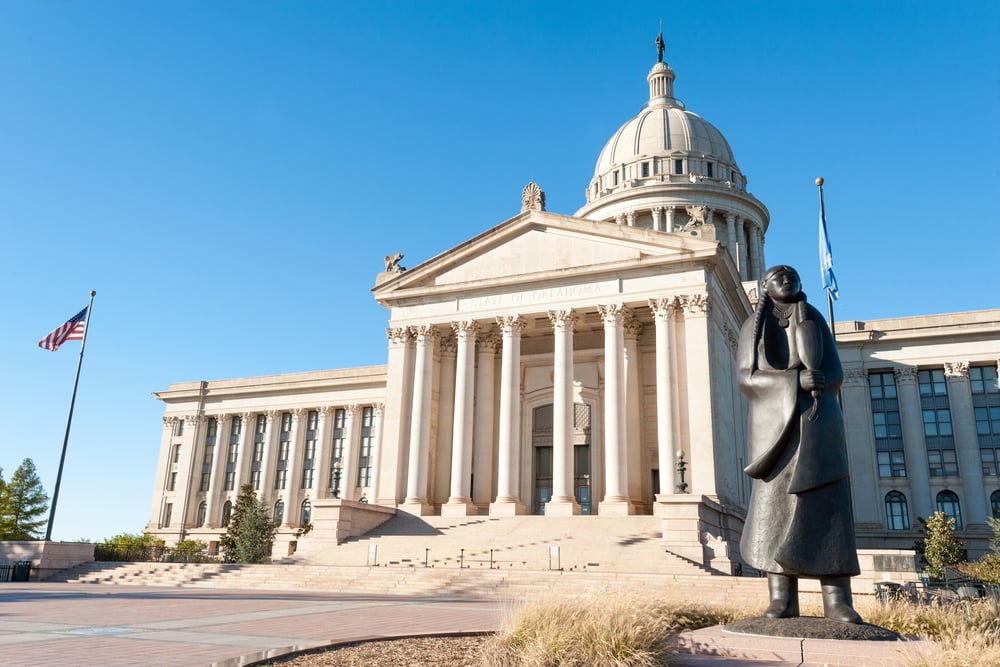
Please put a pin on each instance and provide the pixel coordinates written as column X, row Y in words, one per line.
column 812, row 627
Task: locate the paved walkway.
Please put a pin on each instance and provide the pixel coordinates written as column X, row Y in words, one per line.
column 91, row 625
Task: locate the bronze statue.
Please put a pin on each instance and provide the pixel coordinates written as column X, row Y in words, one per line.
column 799, row 522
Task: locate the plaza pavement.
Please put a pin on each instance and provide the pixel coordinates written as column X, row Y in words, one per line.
column 84, row 625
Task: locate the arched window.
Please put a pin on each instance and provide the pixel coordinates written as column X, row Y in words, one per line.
column 202, row 511
column 947, row 502
column 307, row 511
column 279, row 511
column 995, row 504
column 227, row 513
column 897, row 518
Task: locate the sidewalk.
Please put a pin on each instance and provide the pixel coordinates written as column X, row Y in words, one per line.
column 82, row 625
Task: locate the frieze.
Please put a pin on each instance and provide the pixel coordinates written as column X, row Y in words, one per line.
column 541, row 295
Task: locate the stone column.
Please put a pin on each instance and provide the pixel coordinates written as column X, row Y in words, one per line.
column 741, row 240
column 868, row 498
column 562, row 502
column 186, row 505
column 460, row 498
column 664, row 310
column 483, row 428
column 914, row 447
column 670, row 219
column 378, row 412
column 615, row 501
column 731, row 238
column 630, row 218
column 970, row 466
column 755, row 258
column 701, row 457
column 420, row 425
column 294, row 468
column 323, row 451
column 398, row 409
column 218, row 464
column 507, row 502
column 267, row 463
column 631, row 329
column 352, row 443
column 657, row 212
column 164, row 464
column 444, row 427
column 244, row 455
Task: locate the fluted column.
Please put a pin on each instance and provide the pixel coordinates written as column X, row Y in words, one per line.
column 294, row 468
column 324, row 442
column 755, row 258
column 664, row 311
column 244, row 455
column 670, row 219
column 183, row 515
column 914, row 446
column 378, row 414
column 963, row 422
column 868, row 499
column 420, row 424
column 697, row 352
column 741, row 240
column 219, row 453
column 507, row 502
column 562, row 502
column 460, row 496
column 352, row 442
column 631, row 330
column 482, row 455
column 615, row 501
column 398, row 416
column 657, row 212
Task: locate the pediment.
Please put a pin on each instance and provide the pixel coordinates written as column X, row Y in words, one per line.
column 536, row 247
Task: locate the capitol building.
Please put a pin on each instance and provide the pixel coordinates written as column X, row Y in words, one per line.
column 584, row 364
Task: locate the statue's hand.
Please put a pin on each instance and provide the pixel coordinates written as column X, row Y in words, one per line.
column 811, row 380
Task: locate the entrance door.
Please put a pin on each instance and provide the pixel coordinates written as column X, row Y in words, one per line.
column 541, row 442
column 581, row 456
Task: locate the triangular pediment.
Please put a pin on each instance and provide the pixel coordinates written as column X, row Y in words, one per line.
column 538, row 247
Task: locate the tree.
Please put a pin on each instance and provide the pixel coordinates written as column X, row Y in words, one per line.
column 250, row 533
column 939, row 546
column 23, row 503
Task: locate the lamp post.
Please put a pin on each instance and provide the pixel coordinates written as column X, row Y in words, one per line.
column 337, row 466
column 681, row 468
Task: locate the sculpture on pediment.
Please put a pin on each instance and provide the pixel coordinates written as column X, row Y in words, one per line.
column 697, row 216
column 799, row 521
column 392, row 263
column 532, row 198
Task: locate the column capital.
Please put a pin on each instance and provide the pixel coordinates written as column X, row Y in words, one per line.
column 169, row 421
column 905, row 374
column 398, row 335
column 631, row 326
column 449, row 344
column 193, row 420
column 612, row 314
column 424, row 333
column 488, row 342
column 854, row 377
column 565, row 319
column 379, row 408
column 956, row 369
column 351, row 410
column 511, row 323
column 466, row 329
column 297, row 414
column 694, row 305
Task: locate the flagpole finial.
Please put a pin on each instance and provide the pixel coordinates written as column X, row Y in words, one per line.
column 819, row 181
column 93, row 293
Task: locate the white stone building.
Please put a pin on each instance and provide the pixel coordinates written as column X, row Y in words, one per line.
column 573, row 365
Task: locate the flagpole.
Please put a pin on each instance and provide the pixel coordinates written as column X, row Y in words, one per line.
column 69, row 419
column 829, row 295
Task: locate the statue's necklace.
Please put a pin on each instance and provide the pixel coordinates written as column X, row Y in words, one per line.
column 782, row 315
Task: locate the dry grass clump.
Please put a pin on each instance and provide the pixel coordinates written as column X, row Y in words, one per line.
column 965, row 634
column 620, row 630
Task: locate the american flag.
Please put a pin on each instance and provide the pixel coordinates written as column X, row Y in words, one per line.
column 72, row 329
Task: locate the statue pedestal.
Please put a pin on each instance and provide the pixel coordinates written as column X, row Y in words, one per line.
column 700, row 529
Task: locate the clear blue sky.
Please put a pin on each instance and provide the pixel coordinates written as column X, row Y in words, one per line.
column 229, row 175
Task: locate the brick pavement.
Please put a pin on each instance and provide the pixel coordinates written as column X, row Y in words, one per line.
column 79, row 625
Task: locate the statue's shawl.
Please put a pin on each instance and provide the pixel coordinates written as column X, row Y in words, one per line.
column 777, row 406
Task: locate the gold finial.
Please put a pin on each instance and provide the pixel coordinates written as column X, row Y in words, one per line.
column 93, row 293
column 819, row 181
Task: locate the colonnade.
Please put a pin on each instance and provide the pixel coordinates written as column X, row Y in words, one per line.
column 212, row 468
column 473, row 389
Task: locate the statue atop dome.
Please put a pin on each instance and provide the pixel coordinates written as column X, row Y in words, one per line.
column 660, row 46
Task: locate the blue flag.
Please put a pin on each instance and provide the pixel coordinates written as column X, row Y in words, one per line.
column 826, row 258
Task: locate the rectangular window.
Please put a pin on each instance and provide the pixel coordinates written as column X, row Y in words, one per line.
column 280, row 478
column 614, row 178
column 234, row 453
column 678, row 166
column 984, row 380
column 937, row 423
column 987, row 421
column 179, row 427
column 942, row 462
column 168, row 510
column 644, row 170
column 172, row 484
column 886, row 425
column 211, row 430
column 230, row 480
column 177, row 453
column 203, row 486
column 309, row 456
column 307, row 478
column 936, row 416
column 709, row 169
column 932, row 383
column 209, row 455
column 255, row 479
column 989, row 458
column 365, row 454
column 258, row 452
